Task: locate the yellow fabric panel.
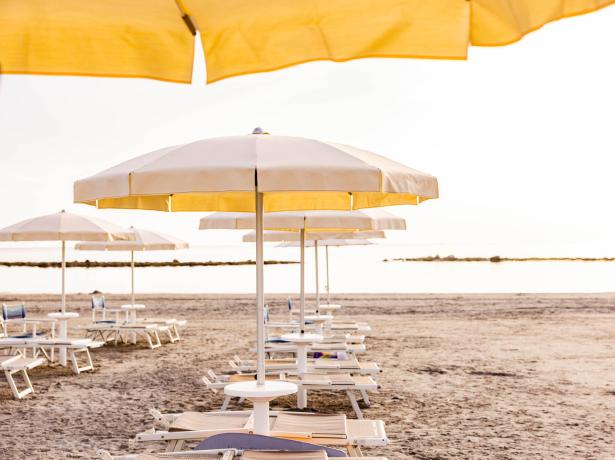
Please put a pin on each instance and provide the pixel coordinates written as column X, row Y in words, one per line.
column 500, row 22
column 111, row 38
column 273, row 202
column 247, row 36
column 148, row 38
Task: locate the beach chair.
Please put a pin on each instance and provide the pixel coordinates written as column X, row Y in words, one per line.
column 13, row 365
column 103, row 327
column 117, row 329
column 173, row 325
column 237, row 446
column 350, row 365
column 351, row 385
column 176, row 429
column 78, row 350
column 16, row 315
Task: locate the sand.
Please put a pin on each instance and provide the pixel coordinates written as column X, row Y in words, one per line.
column 466, row 376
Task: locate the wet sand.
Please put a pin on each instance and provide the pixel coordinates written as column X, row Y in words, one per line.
column 466, row 376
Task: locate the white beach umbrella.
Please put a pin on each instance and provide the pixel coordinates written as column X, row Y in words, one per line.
column 302, row 221
column 144, row 240
column 64, row 226
column 326, row 239
column 257, row 173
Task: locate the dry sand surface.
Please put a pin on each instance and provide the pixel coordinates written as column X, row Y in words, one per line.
column 466, row 376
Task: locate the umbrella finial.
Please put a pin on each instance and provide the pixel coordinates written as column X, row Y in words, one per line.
column 259, row 130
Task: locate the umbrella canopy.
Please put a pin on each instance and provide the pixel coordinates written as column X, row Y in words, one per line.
column 155, row 38
column 144, row 240
column 64, row 226
column 319, row 221
column 221, row 174
column 311, row 221
column 254, row 173
column 291, row 239
column 310, row 244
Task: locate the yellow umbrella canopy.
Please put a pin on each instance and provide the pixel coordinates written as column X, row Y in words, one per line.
column 222, row 174
column 155, row 38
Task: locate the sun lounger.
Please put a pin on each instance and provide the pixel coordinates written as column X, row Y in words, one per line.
column 350, row 365
column 172, row 323
column 115, row 330
column 75, row 348
column 323, row 347
column 330, row 430
column 13, row 365
column 310, row 382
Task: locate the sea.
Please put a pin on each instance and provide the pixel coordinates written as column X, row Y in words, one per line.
column 352, row 270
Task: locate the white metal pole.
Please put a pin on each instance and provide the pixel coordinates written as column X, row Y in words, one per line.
column 260, row 297
column 63, row 276
column 302, row 283
column 317, row 280
column 328, row 285
column 132, row 276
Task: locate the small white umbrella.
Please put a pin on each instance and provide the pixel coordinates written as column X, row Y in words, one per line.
column 326, row 239
column 144, row 240
column 64, row 226
column 305, row 221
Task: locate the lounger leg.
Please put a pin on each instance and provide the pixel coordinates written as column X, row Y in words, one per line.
column 156, row 342
column 89, row 365
column 301, row 398
column 226, row 402
column 16, row 393
column 355, row 404
column 173, row 334
column 354, row 451
column 174, row 445
column 365, row 397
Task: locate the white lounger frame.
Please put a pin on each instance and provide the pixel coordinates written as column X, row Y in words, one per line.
column 176, row 439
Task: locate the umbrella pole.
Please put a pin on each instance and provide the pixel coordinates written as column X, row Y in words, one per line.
column 132, row 276
column 317, row 280
column 260, row 297
column 63, row 276
column 328, row 286
column 302, row 283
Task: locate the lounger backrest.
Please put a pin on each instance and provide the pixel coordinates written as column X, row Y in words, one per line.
column 98, row 304
column 290, row 304
column 17, row 311
column 98, row 301
column 257, row 442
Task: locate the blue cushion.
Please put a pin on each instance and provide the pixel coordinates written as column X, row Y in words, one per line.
column 13, row 311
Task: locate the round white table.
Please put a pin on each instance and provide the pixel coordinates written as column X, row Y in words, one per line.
column 62, row 319
column 329, row 308
column 131, row 316
column 319, row 321
column 302, row 341
column 260, row 395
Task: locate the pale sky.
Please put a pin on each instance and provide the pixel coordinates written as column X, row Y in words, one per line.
column 521, row 138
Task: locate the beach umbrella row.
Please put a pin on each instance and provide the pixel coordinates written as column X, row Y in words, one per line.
column 303, row 222
column 257, row 173
column 155, row 38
